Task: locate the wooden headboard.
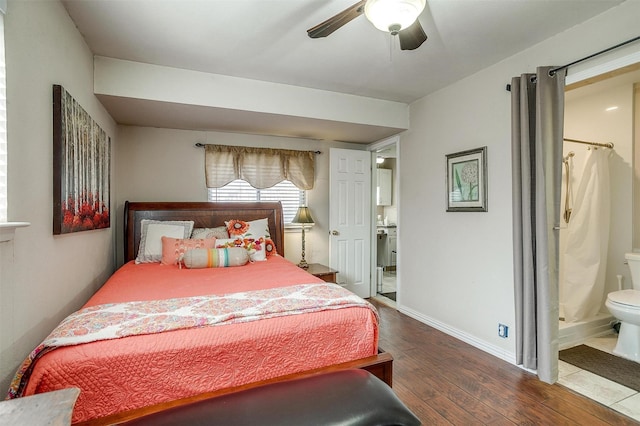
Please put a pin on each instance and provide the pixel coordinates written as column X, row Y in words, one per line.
column 204, row 215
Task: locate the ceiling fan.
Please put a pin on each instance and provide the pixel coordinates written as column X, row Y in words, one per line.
column 398, row 17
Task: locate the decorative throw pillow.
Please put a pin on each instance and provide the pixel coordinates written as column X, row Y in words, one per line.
column 174, row 248
column 269, row 247
column 259, row 248
column 215, row 257
column 152, row 231
column 219, row 232
column 252, row 229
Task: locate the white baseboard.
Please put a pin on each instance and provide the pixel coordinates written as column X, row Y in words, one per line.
column 460, row 335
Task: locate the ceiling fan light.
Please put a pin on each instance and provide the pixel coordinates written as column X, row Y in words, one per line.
column 387, row 15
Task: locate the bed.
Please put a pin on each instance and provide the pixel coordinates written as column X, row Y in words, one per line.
column 134, row 371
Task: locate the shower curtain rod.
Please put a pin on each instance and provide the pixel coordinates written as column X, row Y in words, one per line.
column 593, row 55
column 604, row 145
column 201, row 145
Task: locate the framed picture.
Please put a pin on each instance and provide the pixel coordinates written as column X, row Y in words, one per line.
column 81, row 168
column 467, row 181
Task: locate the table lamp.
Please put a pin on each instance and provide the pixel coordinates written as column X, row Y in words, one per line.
column 304, row 219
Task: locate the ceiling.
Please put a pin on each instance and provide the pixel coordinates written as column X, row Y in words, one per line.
column 266, row 40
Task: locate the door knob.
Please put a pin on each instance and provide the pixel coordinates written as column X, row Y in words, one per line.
column 334, row 232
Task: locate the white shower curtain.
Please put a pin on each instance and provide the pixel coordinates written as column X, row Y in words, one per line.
column 585, row 258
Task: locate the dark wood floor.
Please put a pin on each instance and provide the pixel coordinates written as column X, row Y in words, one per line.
column 446, row 381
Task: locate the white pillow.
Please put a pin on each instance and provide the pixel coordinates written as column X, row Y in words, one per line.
column 150, row 249
column 203, row 233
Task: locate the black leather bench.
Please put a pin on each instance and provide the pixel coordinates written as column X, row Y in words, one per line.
column 346, row 397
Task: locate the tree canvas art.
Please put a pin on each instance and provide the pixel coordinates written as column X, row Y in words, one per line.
column 81, row 168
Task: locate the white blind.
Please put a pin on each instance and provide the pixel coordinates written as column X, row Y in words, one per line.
column 285, row 192
column 3, row 128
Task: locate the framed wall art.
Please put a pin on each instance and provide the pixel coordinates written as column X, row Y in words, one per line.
column 467, row 181
column 81, row 168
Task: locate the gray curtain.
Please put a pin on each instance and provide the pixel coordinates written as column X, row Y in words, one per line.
column 537, row 118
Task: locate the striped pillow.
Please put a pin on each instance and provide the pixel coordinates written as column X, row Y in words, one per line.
column 215, row 257
column 173, row 249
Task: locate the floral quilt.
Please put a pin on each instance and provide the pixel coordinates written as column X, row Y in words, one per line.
column 116, row 320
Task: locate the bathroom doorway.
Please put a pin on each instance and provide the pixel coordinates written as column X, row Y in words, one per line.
column 602, row 111
column 385, row 206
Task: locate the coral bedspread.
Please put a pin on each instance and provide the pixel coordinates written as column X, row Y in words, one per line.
column 131, row 372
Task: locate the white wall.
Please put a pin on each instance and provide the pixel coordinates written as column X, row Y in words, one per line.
column 456, row 268
column 135, row 80
column 163, row 165
column 43, row 278
column 586, row 118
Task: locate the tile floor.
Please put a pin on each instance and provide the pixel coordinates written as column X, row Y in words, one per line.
column 606, row 392
column 388, row 285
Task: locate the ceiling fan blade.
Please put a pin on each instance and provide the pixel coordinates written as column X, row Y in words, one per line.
column 412, row 37
column 337, row 21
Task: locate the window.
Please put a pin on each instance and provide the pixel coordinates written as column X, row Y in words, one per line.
column 3, row 127
column 286, row 192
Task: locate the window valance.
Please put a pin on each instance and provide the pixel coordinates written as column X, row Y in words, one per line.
column 261, row 167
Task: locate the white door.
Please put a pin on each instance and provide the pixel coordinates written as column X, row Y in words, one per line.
column 350, row 218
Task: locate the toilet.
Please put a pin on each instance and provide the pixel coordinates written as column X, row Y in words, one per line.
column 625, row 306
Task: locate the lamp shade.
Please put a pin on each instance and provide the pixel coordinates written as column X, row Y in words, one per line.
column 303, row 216
column 393, row 15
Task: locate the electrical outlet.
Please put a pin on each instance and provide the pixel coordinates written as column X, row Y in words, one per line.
column 503, row 331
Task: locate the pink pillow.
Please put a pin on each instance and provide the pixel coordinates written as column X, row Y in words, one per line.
column 173, row 249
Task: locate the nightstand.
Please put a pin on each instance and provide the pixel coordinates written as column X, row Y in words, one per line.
column 323, row 272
